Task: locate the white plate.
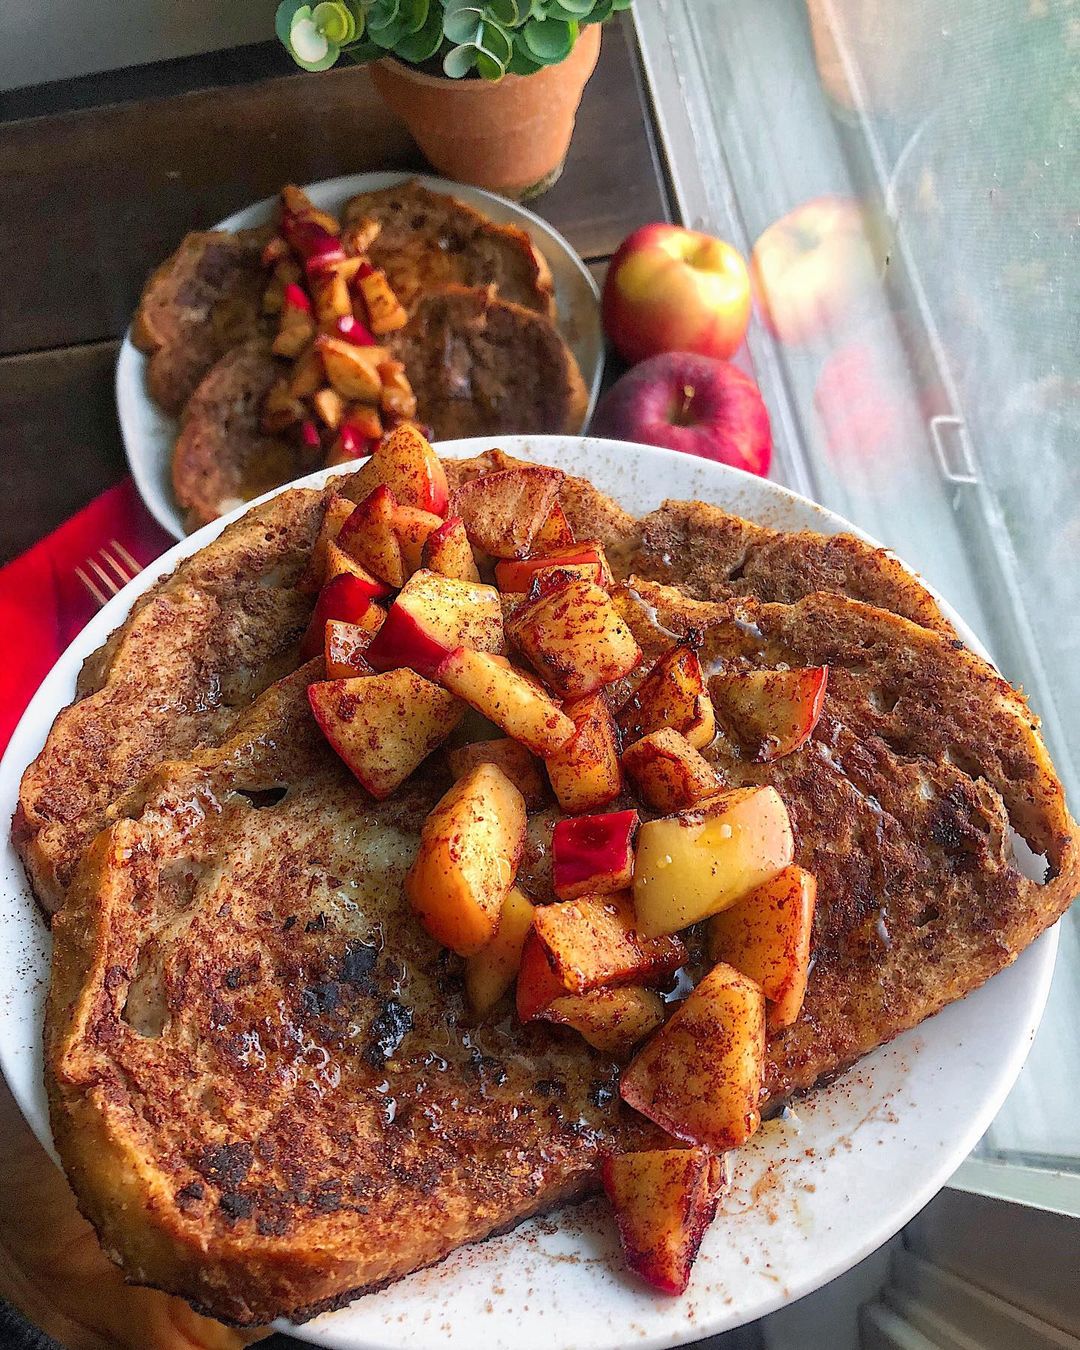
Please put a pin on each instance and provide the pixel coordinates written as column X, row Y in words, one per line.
column 149, row 434
column 811, row 1195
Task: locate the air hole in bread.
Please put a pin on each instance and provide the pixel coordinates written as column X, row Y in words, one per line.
column 145, row 1008
column 883, row 700
column 1035, row 866
column 261, row 798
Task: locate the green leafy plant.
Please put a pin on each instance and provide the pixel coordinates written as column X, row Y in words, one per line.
column 468, row 38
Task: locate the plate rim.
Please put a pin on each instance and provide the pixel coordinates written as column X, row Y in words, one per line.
column 1034, row 967
column 129, row 376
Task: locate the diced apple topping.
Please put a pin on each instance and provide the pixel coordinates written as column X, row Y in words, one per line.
column 503, row 511
column 384, row 310
column 673, row 695
column 337, row 511
column 668, row 772
column 612, row 1020
column 330, row 407
column 413, row 528
column 343, row 597
column 663, row 1201
column 585, row 773
column 593, row 941
column 448, row 552
column 767, row 936
column 308, row 375
column 491, row 972
column 510, row 756
column 505, row 696
column 594, row 855
column 575, row 638
column 696, row 863
column 555, row 533
column 537, row 984
column 406, row 464
column 330, row 298
column 771, row 712
column 699, row 1078
column 383, row 726
column 344, row 647
column 397, row 396
column 585, row 561
column 352, row 370
column 369, row 536
column 431, row 616
column 470, row 848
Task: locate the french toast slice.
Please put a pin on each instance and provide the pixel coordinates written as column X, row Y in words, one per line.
column 222, row 456
column 427, row 240
column 923, row 784
column 196, row 648
column 262, row 1079
column 711, row 554
column 277, row 1098
column 481, row 365
column 203, row 300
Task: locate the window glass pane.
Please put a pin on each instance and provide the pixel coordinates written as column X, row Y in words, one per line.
column 915, row 170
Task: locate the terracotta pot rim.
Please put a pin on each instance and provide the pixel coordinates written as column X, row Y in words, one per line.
column 409, row 72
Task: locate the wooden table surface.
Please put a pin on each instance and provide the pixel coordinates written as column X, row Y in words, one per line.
column 102, row 178
column 104, row 175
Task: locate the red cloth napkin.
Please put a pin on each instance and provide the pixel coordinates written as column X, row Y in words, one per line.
column 43, row 604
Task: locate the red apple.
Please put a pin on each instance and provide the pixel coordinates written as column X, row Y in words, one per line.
column 344, row 597
column 430, row 617
column 671, row 289
column 810, row 266
column 593, row 854
column 690, row 403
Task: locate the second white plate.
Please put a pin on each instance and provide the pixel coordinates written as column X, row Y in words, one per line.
column 149, row 434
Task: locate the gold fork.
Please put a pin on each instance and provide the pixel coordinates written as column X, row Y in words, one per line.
column 105, row 574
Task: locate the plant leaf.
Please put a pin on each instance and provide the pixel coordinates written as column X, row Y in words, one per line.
column 548, row 40
column 458, row 61
column 415, row 14
column 522, row 64
column 422, row 46
column 284, row 17
column 496, row 42
column 570, row 11
column 505, row 12
column 335, row 21
column 463, row 24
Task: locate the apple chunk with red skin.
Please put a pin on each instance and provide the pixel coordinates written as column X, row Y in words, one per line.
column 664, row 1202
column 515, row 576
column 555, row 532
column 593, row 941
column 699, row 1078
column 383, row 726
column 504, row 510
column 771, row 712
column 612, row 1020
column 448, row 551
column 430, row 617
column 490, row 973
column 344, row 597
column 515, row 703
column 470, row 848
column 585, row 774
column 406, row 464
column 767, row 936
column 593, row 854
column 369, row 536
column 694, row 864
column 574, row 636
column 338, row 561
column 673, row 694
column 337, row 511
column 692, row 404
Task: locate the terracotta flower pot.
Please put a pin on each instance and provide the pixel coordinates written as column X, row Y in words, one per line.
column 510, row 136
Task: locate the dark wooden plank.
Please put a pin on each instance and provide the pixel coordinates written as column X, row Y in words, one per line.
column 95, row 198
column 61, row 441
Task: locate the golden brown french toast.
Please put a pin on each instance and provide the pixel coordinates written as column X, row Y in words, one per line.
column 427, row 239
